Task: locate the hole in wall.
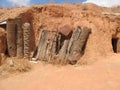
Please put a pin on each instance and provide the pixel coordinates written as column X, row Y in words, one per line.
column 3, row 26
column 114, row 44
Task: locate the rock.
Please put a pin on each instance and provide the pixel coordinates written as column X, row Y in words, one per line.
column 10, row 63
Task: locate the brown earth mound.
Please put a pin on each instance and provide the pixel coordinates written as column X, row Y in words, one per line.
column 53, row 16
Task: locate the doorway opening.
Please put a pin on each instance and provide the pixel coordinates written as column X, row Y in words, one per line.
column 114, row 44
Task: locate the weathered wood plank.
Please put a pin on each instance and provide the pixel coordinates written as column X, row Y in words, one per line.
column 20, row 45
column 78, row 46
column 11, row 37
column 63, row 51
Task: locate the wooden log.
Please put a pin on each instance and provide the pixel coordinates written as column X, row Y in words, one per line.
column 63, row 51
column 36, row 53
column 26, row 34
column 20, row 45
column 47, row 45
column 42, row 45
column 54, row 43
column 78, row 46
column 11, row 37
column 82, row 39
column 51, row 45
column 73, row 39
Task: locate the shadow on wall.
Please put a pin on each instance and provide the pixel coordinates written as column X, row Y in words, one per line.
column 3, row 40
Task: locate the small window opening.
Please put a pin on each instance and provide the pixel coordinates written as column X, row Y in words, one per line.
column 114, row 44
column 3, row 26
column 6, row 51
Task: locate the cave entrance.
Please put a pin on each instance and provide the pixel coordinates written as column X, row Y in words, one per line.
column 114, row 44
column 3, row 24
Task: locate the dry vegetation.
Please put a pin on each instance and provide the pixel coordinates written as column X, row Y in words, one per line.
column 13, row 65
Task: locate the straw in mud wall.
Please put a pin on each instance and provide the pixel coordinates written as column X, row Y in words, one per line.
column 26, row 35
column 19, row 38
column 11, row 37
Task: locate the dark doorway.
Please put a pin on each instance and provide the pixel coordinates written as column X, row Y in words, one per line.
column 114, row 44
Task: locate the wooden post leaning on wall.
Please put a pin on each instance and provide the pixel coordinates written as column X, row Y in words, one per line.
column 26, row 35
column 11, row 37
column 51, row 45
column 78, row 47
column 20, row 47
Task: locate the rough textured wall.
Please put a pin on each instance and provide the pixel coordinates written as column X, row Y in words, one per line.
column 2, row 40
column 52, row 16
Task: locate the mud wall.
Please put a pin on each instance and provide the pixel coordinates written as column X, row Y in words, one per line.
column 103, row 27
column 51, row 17
column 2, row 40
column 27, row 17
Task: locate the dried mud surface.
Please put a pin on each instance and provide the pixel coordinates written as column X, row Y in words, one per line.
column 53, row 16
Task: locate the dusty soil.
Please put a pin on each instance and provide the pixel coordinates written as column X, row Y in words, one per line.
column 102, row 75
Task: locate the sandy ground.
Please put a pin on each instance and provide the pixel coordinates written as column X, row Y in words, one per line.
column 102, row 75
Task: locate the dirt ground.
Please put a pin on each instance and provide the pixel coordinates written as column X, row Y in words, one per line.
column 102, row 75
column 103, row 71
